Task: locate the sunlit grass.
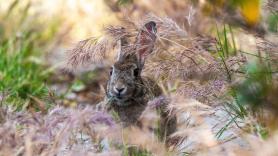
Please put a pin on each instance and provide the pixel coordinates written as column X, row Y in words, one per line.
column 23, row 73
column 21, row 77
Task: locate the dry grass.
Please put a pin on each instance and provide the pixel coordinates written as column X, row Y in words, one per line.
column 272, row 5
column 177, row 56
column 88, row 131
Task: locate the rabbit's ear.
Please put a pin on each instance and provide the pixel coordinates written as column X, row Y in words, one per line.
column 120, row 51
column 145, row 42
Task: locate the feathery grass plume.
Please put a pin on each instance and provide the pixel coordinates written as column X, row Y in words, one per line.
column 145, row 140
column 89, row 51
column 167, row 27
column 272, row 5
column 269, row 52
column 65, row 131
column 150, row 118
column 198, row 125
column 117, row 32
column 179, row 56
column 175, row 57
column 59, row 132
column 94, row 50
column 77, row 131
column 193, row 133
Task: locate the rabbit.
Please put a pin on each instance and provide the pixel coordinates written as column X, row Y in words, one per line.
column 128, row 92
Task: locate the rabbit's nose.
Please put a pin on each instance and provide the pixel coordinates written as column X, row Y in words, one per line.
column 119, row 90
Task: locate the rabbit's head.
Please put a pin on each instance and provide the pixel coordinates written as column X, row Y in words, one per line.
column 125, row 81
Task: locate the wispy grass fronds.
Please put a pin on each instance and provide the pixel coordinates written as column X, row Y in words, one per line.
column 117, row 32
column 272, row 5
column 268, row 52
column 55, row 133
column 191, row 120
column 167, row 27
column 89, row 51
column 81, row 130
column 145, row 140
column 95, row 50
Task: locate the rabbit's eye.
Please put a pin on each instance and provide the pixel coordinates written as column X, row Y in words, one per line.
column 111, row 71
column 136, row 72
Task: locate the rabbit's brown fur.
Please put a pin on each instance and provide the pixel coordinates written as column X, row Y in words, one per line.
column 127, row 91
column 142, row 90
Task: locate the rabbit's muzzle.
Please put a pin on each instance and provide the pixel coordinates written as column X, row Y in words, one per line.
column 119, row 90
